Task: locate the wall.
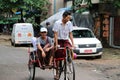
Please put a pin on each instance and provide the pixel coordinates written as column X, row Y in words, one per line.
column 55, row 6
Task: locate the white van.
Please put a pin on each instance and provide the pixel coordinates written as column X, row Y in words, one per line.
column 22, row 33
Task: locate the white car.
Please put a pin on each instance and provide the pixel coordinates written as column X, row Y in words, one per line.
column 86, row 44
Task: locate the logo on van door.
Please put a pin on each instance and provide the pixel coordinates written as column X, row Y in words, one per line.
column 29, row 35
column 19, row 34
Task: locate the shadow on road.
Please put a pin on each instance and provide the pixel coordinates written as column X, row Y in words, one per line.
column 38, row 78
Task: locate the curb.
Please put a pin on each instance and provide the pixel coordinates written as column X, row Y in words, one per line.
column 5, row 37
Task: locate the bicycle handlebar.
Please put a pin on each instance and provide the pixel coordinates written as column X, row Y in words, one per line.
column 64, row 47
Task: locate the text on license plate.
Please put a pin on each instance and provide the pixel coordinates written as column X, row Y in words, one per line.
column 88, row 51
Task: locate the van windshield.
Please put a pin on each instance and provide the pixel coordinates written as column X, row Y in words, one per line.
column 82, row 34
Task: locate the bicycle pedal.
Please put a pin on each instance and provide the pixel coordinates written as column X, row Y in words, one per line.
column 47, row 67
column 54, row 67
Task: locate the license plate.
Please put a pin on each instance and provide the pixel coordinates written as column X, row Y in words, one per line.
column 88, row 51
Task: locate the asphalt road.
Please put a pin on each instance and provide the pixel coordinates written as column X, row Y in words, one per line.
column 13, row 66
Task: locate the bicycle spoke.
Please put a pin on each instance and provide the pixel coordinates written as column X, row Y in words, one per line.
column 31, row 71
column 31, row 67
column 70, row 74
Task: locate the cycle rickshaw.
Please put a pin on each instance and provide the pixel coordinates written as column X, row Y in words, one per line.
column 65, row 69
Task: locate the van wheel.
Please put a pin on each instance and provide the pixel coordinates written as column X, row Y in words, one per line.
column 11, row 43
column 14, row 44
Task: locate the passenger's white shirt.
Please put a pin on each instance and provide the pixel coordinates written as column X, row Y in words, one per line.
column 63, row 30
column 34, row 42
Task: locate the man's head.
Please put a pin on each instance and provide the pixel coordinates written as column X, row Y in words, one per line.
column 47, row 23
column 66, row 16
column 43, row 32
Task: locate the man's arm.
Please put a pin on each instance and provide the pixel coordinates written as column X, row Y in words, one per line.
column 51, row 47
column 71, row 38
column 49, row 44
column 55, row 31
column 40, row 48
column 56, row 39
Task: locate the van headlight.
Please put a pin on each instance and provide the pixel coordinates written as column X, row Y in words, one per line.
column 99, row 45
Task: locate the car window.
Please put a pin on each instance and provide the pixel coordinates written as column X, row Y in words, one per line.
column 82, row 34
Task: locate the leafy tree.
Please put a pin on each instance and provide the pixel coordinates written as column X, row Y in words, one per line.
column 116, row 3
column 38, row 8
column 82, row 5
column 31, row 9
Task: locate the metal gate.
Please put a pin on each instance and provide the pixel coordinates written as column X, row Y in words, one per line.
column 115, row 32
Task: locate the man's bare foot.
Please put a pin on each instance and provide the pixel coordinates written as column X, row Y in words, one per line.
column 56, row 77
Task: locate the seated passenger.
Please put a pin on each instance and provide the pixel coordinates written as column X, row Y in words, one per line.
column 45, row 47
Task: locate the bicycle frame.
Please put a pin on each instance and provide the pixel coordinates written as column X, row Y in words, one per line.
column 65, row 60
column 35, row 62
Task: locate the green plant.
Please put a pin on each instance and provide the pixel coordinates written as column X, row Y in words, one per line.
column 24, row 7
column 82, row 5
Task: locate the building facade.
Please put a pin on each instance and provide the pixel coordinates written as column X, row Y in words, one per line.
column 106, row 23
column 55, row 6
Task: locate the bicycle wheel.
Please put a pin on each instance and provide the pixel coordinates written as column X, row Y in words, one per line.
column 31, row 70
column 64, row 70
column 69, row 71
column 31, row 66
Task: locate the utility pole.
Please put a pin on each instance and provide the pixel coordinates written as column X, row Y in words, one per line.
column 21, row 12
column 54, row 6
column 73, row 4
